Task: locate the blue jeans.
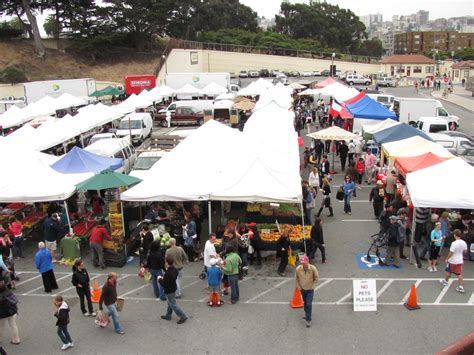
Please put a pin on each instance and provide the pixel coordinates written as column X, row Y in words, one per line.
column 308, row 303
column 64, row 334
column 17, row 247
column 244, row 255
column 172, row 306
column 234, row 287
column 113, row 313
column 347, row 202
column 158, row 290
column 179, row 281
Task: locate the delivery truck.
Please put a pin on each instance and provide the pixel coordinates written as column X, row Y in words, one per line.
column 199, row 80
column 409, row 110
column 135, row 84
column 36, row 90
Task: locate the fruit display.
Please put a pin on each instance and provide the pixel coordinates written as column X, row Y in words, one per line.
column 82, row 228
column 282, row 210
column 32, row 219
column 116, row 227
column 269, row 232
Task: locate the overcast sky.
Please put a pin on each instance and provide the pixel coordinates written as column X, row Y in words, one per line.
column 437, row 8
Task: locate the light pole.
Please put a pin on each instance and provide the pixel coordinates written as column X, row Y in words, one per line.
column 332, row 64
column 166, row 66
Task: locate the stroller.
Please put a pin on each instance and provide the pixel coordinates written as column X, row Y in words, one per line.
column 379, row 243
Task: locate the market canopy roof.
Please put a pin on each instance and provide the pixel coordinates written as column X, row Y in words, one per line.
column 187, row 89
column 325, row 82
column 369, row 109
column 339, row 110
column 407, row 165
column 379, row 126
column 107, row 179
column 109, row 90
column 399, row 132
column 134, row 102
column 333, row 133
column 162, row 90
column 78, row 160
column 444, row 185
column 213, row 89
column 414, row 146
column 67, row 100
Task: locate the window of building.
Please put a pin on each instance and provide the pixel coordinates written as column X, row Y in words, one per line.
column 417, row 36
column 417, row 69
column 417, row 42
column 401, row 70
column 466, row 73
column 456, row 73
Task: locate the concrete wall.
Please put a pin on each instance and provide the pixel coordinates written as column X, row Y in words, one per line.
column 179, row 61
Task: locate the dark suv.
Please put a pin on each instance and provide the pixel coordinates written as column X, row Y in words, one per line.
column 264, row 73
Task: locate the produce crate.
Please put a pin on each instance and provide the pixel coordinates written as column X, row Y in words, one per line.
column 114, row 207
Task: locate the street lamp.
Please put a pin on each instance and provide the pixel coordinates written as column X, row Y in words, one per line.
column 166, row 66
column 332, row 64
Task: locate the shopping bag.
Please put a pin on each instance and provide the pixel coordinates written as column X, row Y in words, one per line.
column 147, row 277
column 119, row 304
column 102, row 319
column 141, row 272
column 340, row 194
column 291, row 258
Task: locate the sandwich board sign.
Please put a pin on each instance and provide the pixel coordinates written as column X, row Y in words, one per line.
column 365, row 295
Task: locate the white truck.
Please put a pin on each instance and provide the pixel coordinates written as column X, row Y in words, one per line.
column 409, row 110
column 199, row 80
column 36, row 90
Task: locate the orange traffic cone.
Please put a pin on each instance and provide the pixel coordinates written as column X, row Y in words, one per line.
column 297, row 300
column 95, row 291
column 411, row 303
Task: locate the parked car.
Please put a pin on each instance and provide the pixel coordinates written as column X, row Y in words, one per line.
column 274, row 72
column 307, row 73
column 280, row 78
column 183, row 116
column 387, row 82
column 243, row 74
column 137, row 124
column 145, row 161
column 253, row 73
column 352, row 79
column 432, row 124
column 316, row 73
column 233, row 75
column 325, row 72
column 294, row 73
column 455, row 145
column 468, row 155
column 116, row 148
column 264, row 73
column 99, row 136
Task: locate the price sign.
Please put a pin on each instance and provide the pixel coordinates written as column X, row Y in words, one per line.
column 365, row 295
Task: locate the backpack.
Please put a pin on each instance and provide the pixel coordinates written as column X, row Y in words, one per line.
column 8, row 306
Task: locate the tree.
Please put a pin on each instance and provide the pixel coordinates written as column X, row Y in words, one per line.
column 328, row 24
column 51, row 27
column 12, row 75
column 19, row 8
column 371, row 48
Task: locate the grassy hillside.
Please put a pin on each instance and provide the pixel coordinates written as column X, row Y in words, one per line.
column 59, row 65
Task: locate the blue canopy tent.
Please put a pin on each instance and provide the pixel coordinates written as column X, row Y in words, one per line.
column 369, row 109
column 399, row 132
column 78, row 160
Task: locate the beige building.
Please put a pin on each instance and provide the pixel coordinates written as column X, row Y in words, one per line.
column 462, row 70
column 408, row 65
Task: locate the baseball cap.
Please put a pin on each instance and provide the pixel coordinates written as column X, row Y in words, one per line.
column 304, row 259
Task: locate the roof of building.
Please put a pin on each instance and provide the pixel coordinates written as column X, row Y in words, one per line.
column 467, row 64
column 407, row 59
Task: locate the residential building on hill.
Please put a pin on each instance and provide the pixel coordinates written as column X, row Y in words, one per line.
column 408, row 65
column 419, row 42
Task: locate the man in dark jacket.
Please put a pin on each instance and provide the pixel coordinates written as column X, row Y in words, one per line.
column 168, row 281
column 393, row 249
column 52, row 231
column 317, row 240
column 343, row 150
column 109, row 297
column 319, row 149
column 8, row 311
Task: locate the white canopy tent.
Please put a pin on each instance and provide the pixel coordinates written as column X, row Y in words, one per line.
column 150, row 96
column 380, row 126
column 428, row 187
column 414, row 146
column 213, row 89
column 279, row 95
column 135, row 102
column 333, row 133
column 67, row 100
column 347, row 94
column 334, row 89
column 162, row 91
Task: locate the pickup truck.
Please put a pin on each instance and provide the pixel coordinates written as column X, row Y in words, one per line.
column 182, row 116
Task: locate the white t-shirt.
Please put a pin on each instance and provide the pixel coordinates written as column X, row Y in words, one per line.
column 457, row 248
column 352, row 147
column 209, row 250
column 313, row 179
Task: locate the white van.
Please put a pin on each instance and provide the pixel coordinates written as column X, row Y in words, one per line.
column 455, row 144
column 385, row 100
column 145, row 161
column 116, row 148
column 197, row 105
column 139, row 124
column 224, row 111
column 432, row 124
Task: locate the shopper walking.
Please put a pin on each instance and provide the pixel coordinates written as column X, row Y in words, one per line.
column 44, row 264
column 393, row 249
column 317, row 240
column 377, row 196
column 343, row 151
column 179, row 258
column 348, row 188
column 62, row 315
column 168, row 282
column 310, row 205
column 455, row 260
column 146, row 238
column 283, row 249
column 326, row 202
column 80, row 279
column 109, row 298
column 97, row 236
column 437, row 238
column 391, row 186
column 370, row 161
column 243, row 234
column 360, row 166
column 8, row 313
column 307, row 277
column 230, row 267
column 155, row 263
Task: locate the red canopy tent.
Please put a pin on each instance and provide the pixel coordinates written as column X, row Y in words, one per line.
column 340, row 110
column 355, row 98
column 407, row 165
column 325, row 83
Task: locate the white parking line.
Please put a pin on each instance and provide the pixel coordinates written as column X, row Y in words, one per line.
column 471, row 299
column 42, row 286
column 73, row 287
column 31, row 279
column 344, row 298
column 323, row 284
column 443, row 292
column 267, row 291
column 384, row 288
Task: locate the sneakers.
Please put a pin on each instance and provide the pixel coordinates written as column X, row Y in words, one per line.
column 308, row 324
column 93, row 314
column 460, row 289
column 165, row 318
column 435, row 269
column 282, row 274
column 443, row 282
column 87, row 314
column 182, row 320
column 67, row 346
column 430, row 269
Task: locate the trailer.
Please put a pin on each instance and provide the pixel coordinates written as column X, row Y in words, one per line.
column 36, row 90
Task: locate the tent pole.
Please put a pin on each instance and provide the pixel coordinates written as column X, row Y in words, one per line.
column 123, row 227
column 209, row 215
column 412, row 234
column 302, row 223
column 67, row 216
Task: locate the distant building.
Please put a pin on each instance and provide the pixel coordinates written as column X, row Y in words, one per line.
column 419, row 42
column 408, row 65
column 462, row 70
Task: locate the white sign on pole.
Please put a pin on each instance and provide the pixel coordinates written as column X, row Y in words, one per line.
column 365, row 295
